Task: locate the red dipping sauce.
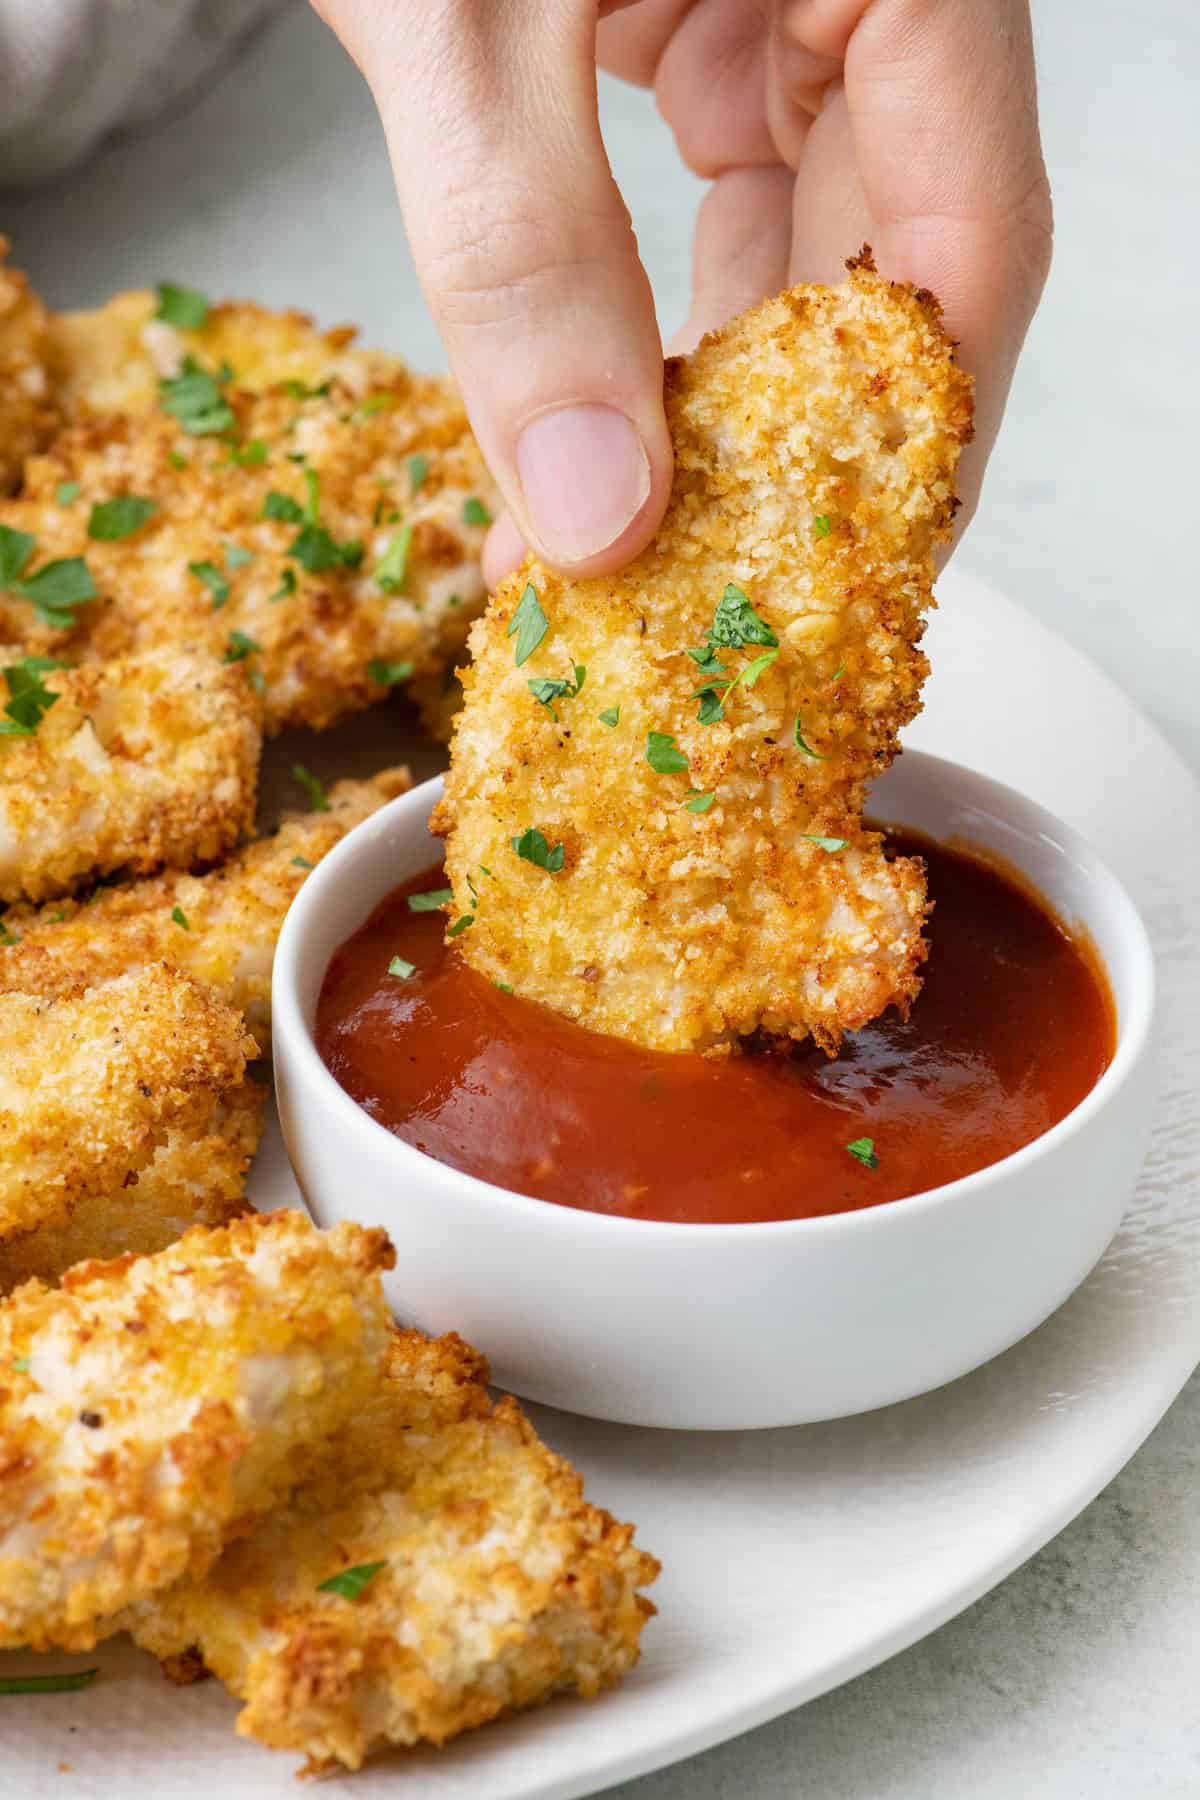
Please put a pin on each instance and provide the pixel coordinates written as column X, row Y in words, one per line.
column 1014, row 1025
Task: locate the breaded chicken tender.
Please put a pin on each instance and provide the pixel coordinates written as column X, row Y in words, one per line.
column 196, row 1177
column 220, row 927
column 93, row 1079
column 442, row 1567
column 28, row 415
column 152, row 1408
column 328, row 535
column 665, row 770
column 131, row 764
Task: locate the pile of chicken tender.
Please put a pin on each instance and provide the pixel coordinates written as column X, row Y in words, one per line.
column 220, row 525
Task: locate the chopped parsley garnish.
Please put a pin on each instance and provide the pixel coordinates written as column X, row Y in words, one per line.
column 29, row 698
column 432, row 900
column 317, row 551
column 54, row 589
column 349, row 1583
column 21, row 1364
column 48, row 1684
column 403, row 969
column 735, row 623
column 863, row 1151
column 418, row 470
column 822, row 525
column 807, row 749
column 382, row 402
column 239, row 647
column 838, row 672
column 460, row 925
column 700, row 803
column 532, row 847
column 182, row 306
column 213, row 580
column 66, row 492
column 302, row 862
column 547, row 690
column 611, row 716
column 504, row 986
column 282, row 506
column 299, row 390
column 312, row 508
column 7, row 936
column 388, row 674
column 664, row 755
column 475, row 512
column 287, row 585
column 317, row 797
column 236, row 557
column 177, row 459
column 832, row 845
column 119, row 517
column 180, row 917
column 194, row 397
column 392, row 566
column 249, row 456
column 528, row 625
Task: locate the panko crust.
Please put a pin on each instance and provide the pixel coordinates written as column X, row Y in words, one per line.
column 197, row 1176
column 138, row 762
column 816, row 441
column 95, row 1077
column 234, row 912
column 28, row 415
column 391, row 451
column 501, row 1585
column 152, row 1408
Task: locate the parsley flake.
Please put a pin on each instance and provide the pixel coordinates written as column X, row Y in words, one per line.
column 248, row 456
column 863, row 1151
column 532, row 847
column 822, row 525
column 381, row 402
column 302, row 862
column 184, row 307
column 700, row 803
column 403, row 969
column 312, row 508
column 315, row 550
column 830, row 844
column 664, row 755
column 16, row 548
column 180, row 917
column 807, row 749
column 418, row 471
column 55, row 589
column 236, row 557
column 392, row 566
column 21, row 1364
column 282, row 506
column 735, row 623
column 48, row 1684
column 432, row 900
column 287, row 585
column 177, row 459
column 8, row 937
column 317, row 797
column 66, row 492
column 299, row 390
column 212, row 578
column 528, row 625
column 388, row 674
column 611, row 716
column 29, row 698
column 239, row 647
column 349, row 1583
column 119, row 517
column 475, row 512
column 504, row 986
column 460, row 925
column 546, row 690
column 194, row 397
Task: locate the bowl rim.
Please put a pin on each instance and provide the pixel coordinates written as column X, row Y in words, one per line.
column 1133, row 1039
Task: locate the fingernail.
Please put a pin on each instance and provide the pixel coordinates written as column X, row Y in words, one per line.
column 585, row 477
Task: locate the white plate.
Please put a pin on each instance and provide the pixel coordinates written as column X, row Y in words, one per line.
column 796, row 1559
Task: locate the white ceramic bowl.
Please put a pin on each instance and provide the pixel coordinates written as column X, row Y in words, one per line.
column 732, row 1326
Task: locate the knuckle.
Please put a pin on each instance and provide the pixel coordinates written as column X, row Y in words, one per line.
column 501, row 254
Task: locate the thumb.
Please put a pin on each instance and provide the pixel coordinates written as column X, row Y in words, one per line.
column 527, row 257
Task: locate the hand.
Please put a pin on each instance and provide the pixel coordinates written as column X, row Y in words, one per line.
column 908, row 124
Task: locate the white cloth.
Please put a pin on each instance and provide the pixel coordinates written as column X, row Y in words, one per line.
column 72, row 71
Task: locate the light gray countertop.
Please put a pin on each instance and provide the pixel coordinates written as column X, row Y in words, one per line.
column 1077, row 1676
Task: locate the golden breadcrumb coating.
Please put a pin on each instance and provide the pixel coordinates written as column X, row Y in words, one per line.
column 136, row 763
column 93, row 1079
column 151, row 1408
column 330, row 533
column 233, row 913
column 500, row 1584
column 27, row 411
column 816, row 440
column 196, row 1177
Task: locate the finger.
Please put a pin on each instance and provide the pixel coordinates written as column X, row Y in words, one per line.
column 630, row 42
column 939, row 118
column 503, row 549
column 740, row 250
column 527, row 258
column 710, row 84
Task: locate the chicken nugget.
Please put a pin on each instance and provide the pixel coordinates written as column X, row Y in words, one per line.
column 153, row 1407
column 442, row 1567
column 666, row 769
column 95, row 1077
column 220, row 927
column 28, row 415
column 123, row 765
